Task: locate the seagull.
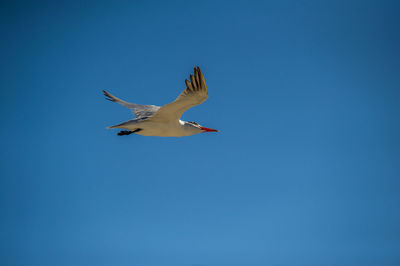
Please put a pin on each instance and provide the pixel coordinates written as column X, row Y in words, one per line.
column 165, row 121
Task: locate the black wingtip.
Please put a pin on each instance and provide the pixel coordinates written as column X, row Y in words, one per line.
column 108, row 96
column 187, row 83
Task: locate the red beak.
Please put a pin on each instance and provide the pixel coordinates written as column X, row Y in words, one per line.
column 208, row 129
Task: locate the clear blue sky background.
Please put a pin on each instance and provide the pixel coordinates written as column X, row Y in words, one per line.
column 305, row 170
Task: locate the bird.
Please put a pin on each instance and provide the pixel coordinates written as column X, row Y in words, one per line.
column 164, row 121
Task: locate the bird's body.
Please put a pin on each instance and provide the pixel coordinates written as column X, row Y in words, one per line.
column 150, row 128
column 164, row 121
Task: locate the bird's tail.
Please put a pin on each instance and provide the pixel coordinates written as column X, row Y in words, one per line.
column 116, row 126
column 125, row 125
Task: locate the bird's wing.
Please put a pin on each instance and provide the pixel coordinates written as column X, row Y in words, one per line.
column 139, row 110
column 194, row 94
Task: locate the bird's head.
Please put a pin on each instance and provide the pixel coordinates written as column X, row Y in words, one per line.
column 196, row 128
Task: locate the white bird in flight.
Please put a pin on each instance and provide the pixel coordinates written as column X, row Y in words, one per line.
column 165, row 121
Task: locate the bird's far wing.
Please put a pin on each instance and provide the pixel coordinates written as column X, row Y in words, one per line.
column 194, row 94
column 139, row 110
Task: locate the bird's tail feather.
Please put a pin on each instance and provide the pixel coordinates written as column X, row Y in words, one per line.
column 124, row 124
column 116, row 126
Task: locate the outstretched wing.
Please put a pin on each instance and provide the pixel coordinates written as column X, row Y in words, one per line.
column 194, row 94
column 139, row 110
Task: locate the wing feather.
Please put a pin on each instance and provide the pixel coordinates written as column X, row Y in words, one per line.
column 195, row 93
column 139, row 110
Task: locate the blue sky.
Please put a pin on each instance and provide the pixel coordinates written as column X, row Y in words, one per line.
column 305, row 170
